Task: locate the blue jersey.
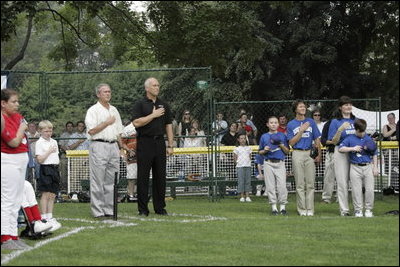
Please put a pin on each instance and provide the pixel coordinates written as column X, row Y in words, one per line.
column 308, row 136
column 275, row 151
column 336, row 123
column 357, row 157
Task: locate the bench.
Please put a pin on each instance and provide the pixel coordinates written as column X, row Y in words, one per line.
column 173, row 183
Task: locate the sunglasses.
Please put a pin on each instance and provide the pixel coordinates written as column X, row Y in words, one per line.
column 187, row 113
column 317, row 115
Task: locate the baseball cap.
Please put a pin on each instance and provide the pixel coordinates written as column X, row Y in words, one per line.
column 369, row 146
column 275, row 139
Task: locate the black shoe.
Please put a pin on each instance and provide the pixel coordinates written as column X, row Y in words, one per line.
column 143, row 213
column 275, row 212
column 163, row 212
column 108, row 215
column 283, row 212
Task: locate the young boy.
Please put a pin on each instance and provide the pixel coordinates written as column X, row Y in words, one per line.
column 49, row 180
column 242, row 157
column 274, row 147
column 361, row 169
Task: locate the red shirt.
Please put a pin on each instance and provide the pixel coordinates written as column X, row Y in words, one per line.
column 11, row 125
column 281, row 129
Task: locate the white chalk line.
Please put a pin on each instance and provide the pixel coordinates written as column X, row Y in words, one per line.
column 7, row 258
column 110, row 224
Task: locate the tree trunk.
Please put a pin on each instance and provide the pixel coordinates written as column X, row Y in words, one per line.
column 21, row 53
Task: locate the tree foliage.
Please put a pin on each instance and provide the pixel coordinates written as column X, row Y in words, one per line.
column 258, row 50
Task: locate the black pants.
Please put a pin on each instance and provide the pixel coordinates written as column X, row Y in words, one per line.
column 151, row 154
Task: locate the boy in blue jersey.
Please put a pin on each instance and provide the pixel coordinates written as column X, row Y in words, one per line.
column 274, row 147
column 361, row 169
column 340, row 128
column 301, row 133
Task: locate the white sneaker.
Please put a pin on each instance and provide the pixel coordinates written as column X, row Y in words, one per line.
column 309, row 213
column 303, row 213
column 358, row 214
column 40, row 226
column 242, row 199
column 369, row 214
column 55, row 225
column 258, row 194
column 248, row 199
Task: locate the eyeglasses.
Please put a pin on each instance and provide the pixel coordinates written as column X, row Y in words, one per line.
column 187, row 113
column 319, row 115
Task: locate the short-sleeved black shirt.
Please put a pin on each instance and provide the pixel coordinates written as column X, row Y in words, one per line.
column 156, row 127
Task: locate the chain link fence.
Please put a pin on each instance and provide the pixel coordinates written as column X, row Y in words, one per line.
column 65, row 96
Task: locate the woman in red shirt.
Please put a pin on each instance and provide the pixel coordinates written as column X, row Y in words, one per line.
column 14, row 160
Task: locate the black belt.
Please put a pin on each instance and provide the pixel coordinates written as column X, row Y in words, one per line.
column 274, row 160
column 361, row 164
column 104, row 141
column 155, row 137
column 301, row 149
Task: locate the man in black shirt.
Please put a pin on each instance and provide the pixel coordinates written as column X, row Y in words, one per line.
column 152, row 119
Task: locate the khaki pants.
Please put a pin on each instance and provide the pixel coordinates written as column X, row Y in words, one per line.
column 304, row 175
column 358, row 175
column 275, row 173
column 103, row 163
column 342, row 169
column 329, row 177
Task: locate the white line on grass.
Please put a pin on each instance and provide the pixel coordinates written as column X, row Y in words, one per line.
column 203, row 218
column 15, row 254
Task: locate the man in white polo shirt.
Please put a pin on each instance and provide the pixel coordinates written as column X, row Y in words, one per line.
column 104, row 127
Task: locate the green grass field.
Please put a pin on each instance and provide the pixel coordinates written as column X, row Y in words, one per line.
column 199, row 232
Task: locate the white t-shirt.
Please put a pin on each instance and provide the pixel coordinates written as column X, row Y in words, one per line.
column 243, row 156
column 41, row 148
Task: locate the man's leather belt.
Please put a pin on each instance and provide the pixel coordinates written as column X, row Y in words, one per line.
column 104, row 141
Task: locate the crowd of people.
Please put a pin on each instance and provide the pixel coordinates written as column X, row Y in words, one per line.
column 28, row 151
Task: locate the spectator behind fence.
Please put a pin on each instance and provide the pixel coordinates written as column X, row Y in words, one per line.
column 196, row 125
column 184, row 126
column 340, row 128
column 104, row 127
column 63, row 145
column 274, row 146
column 33, row 135
column 251, row 130
column 249, row 121
column 192, row 140
column 329, row 171
column 64, row 137
column 230, row 138
column 361, row 149
column 282, row 124
column 316, row 115
column 389, row 129
column 46, row 152
column 152, row 119
column 14, row 160
column 301, row 132
column 242, row 158
column 129, row 143
column 79, row 139
column 220, row 126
